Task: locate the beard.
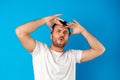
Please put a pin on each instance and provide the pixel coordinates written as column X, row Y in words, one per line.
column 59, row 44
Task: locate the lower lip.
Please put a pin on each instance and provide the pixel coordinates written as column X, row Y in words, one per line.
column 61, row 40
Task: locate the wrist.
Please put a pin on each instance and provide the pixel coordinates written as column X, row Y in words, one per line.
column 83, row 31
column 45, row 19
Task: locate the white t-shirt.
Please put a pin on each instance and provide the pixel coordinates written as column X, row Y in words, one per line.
column 52, row 65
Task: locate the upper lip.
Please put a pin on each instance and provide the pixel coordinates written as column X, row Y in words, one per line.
column 61, row 38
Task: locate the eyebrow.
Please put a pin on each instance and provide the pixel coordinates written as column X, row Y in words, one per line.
column 63, row 30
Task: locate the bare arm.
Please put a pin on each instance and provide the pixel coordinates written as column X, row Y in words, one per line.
column 23, row 31
column 96, row 47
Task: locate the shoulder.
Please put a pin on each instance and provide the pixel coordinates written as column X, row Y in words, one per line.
column 76, row 54
column 40, row 46
column 73, row 51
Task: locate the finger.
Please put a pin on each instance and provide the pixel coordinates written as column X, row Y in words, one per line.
column 56, row 19
column 58, row 22
column 60, row 19
column 75, row 21
column 56, row 15
column 68, row 23
column 68, row 26
column 71, row 24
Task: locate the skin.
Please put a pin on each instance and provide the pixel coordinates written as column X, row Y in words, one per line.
column 59, row 36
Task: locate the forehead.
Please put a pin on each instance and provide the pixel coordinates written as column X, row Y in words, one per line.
column 61, row 27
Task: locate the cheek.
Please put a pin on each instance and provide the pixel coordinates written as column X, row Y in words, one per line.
column 66, row 37
column 55, row 36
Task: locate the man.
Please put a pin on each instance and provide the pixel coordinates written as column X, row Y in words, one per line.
column 54, row 63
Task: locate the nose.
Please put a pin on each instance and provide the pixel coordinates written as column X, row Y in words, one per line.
column 62, row 34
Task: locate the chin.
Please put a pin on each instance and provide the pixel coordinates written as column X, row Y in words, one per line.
column 62, row 45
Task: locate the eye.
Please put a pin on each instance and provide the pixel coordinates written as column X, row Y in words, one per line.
column 58, row 31
column 65, row 32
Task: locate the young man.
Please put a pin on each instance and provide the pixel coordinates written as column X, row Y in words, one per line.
column 53, row 63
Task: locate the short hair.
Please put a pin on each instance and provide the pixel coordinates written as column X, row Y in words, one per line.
column 62, row 22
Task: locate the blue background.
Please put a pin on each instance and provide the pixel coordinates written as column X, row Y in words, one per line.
column 100, row 17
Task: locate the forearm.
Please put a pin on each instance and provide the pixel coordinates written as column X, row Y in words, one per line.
column 93, row 42
column 30, row 26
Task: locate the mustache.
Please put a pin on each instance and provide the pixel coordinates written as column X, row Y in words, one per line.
column 61, row 37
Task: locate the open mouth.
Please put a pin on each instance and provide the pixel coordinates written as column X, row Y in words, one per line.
column 61, row 39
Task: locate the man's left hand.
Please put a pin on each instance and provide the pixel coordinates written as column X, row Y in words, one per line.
column 77, row 28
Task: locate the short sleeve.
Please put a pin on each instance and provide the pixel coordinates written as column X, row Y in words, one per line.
column 39, row 46
column 78, row 55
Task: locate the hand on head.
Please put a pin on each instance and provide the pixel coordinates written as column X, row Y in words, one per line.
column 77, row 28
column 50, row 20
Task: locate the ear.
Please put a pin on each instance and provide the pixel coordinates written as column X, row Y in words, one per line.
column 51, row 36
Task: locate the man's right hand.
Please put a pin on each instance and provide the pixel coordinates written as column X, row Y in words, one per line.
column 50, row 20
column 24, row 30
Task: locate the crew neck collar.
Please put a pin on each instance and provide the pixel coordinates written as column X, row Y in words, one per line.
column 56, row 52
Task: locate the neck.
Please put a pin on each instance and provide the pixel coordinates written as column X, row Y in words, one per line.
column 58, row 49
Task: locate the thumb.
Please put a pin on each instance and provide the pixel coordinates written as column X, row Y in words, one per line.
column 57, row 15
